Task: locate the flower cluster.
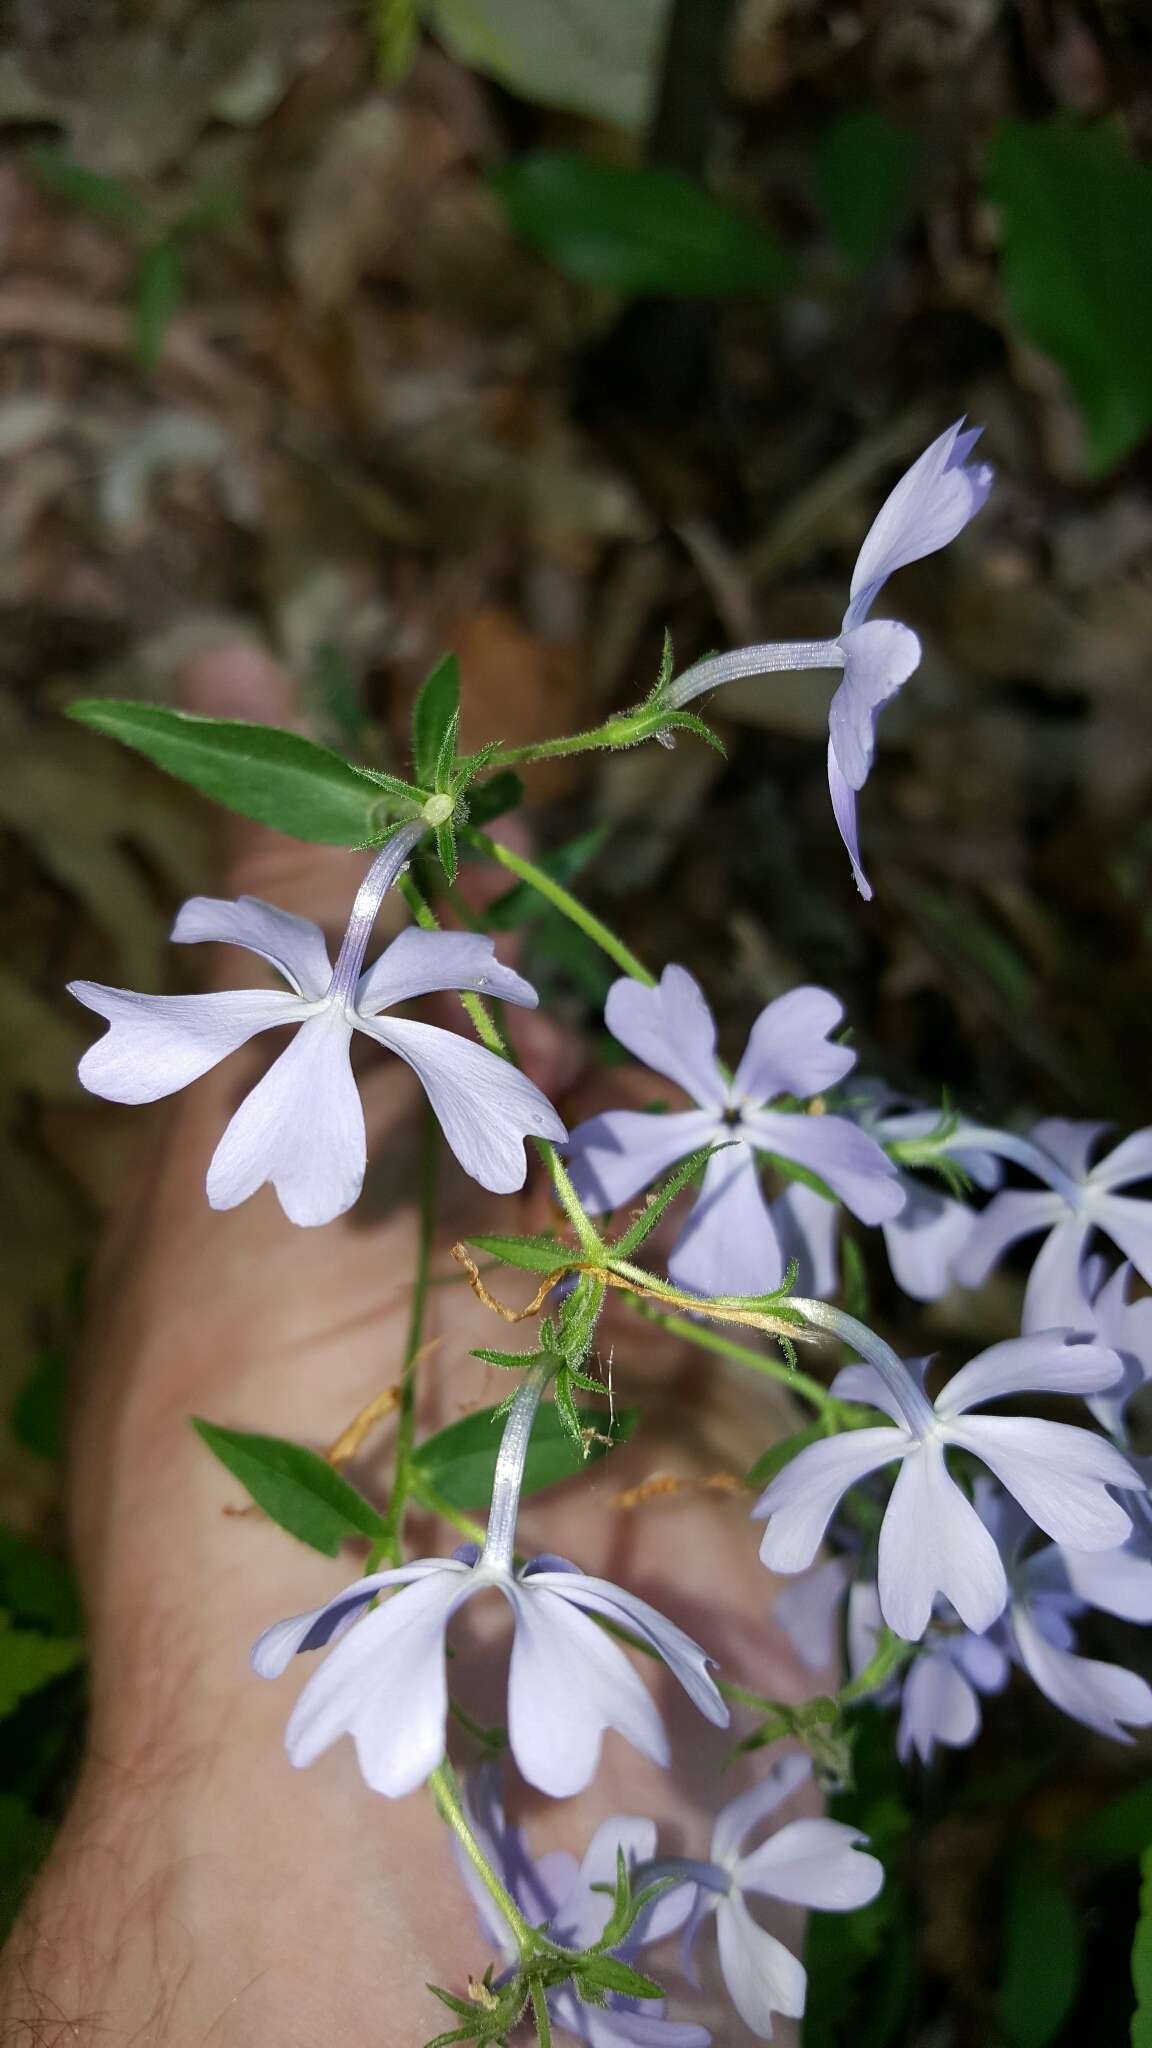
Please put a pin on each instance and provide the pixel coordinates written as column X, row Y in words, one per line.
column 934, row 1508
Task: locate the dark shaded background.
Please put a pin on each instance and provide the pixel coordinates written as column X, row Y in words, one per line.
column 272, row 361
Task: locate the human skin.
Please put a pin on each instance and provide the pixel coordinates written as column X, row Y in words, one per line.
column 201, row 1890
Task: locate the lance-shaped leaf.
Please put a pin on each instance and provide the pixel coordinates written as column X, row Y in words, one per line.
column 30, row 1661
column 435, row 722
column 637, row 228
column 459, row 1462
column 539, row 1254
column 294, row 1486
column 278, row 778
column 645, row 1223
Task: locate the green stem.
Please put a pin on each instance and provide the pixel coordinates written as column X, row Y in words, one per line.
column 622, row 731
column 561, row 899
column 446, row 1792
column 788, row 1376
column 436, row 1504
column 389, row 1544
column 541, row 2015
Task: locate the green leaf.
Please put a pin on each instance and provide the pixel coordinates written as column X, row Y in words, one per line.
column 276, row 777
column 294, row 1486
column 608, row 1973
column 645, row 1223
column 37, row 1416
column 644, row 229
column 789, row 1170
column 435, row 721
column 601, row 58
column 774, row 1459
column 459, row 1461
column 864, row 168
column 446, row 850
column 92, row 191
column 487, row 800
column 539, row 1254
column 35, row 1587
column 1142, row 1959
column 568, row 1414
column 1119, row 1832
column 157, row 294
column 1075, row 208
column 30, row 1661
column 1040, row 1954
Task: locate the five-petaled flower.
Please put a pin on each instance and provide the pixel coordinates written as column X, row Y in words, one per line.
column 806, row 1863
column 385, row 1685
column 1079, row 1200
column 572, row 1901
column 730, row 1244
column 932, row 1541
column 929, row 506
column 302, row 1125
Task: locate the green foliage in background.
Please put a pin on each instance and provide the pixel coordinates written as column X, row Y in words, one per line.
column 637, row 229
column 1076, row 218
column 863, row 170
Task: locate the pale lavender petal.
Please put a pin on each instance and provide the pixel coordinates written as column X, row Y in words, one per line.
column 1010, row 1215
column 865, row 1384
column 930, row 505
column 384, row 1684
column 1058, row 1472
column 1117, row 1581
column 802, row 1499
column 1131, row 1159
column 932, row 1544
column 763, row 1977
column 852, row 1163
column 620, row 2025
column 568, row 1683
column 878, row 660
column 683, row 1656
column 808, row 1611
column 865, row 1622
column 788, row 1050
column 486, row 1107
column 301, row 1127
column 158, row 1044
column 670, row 1028
column 749, row 1808
column 1102, row 1696
column 1128, row 1223
column 937, row 1705
column 728, row 1244
column 808, row 1228
column 273, row 1651
column 423, row 963
column 984, row 1662
column 1054, row 1296
column 925, row 1240
column 844, row 811
column 1047, row 1363
column 1069, row 1141
column 612, row 1156
column 813, row 1863
column 293, row 945
column 1126, row 1326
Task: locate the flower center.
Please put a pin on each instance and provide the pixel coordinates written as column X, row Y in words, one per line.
column 732, row 1117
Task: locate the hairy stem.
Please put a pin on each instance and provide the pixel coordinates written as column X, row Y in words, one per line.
column 562, row 899
column 778, row 1369
column 390, row 1545
column 446, row 1792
